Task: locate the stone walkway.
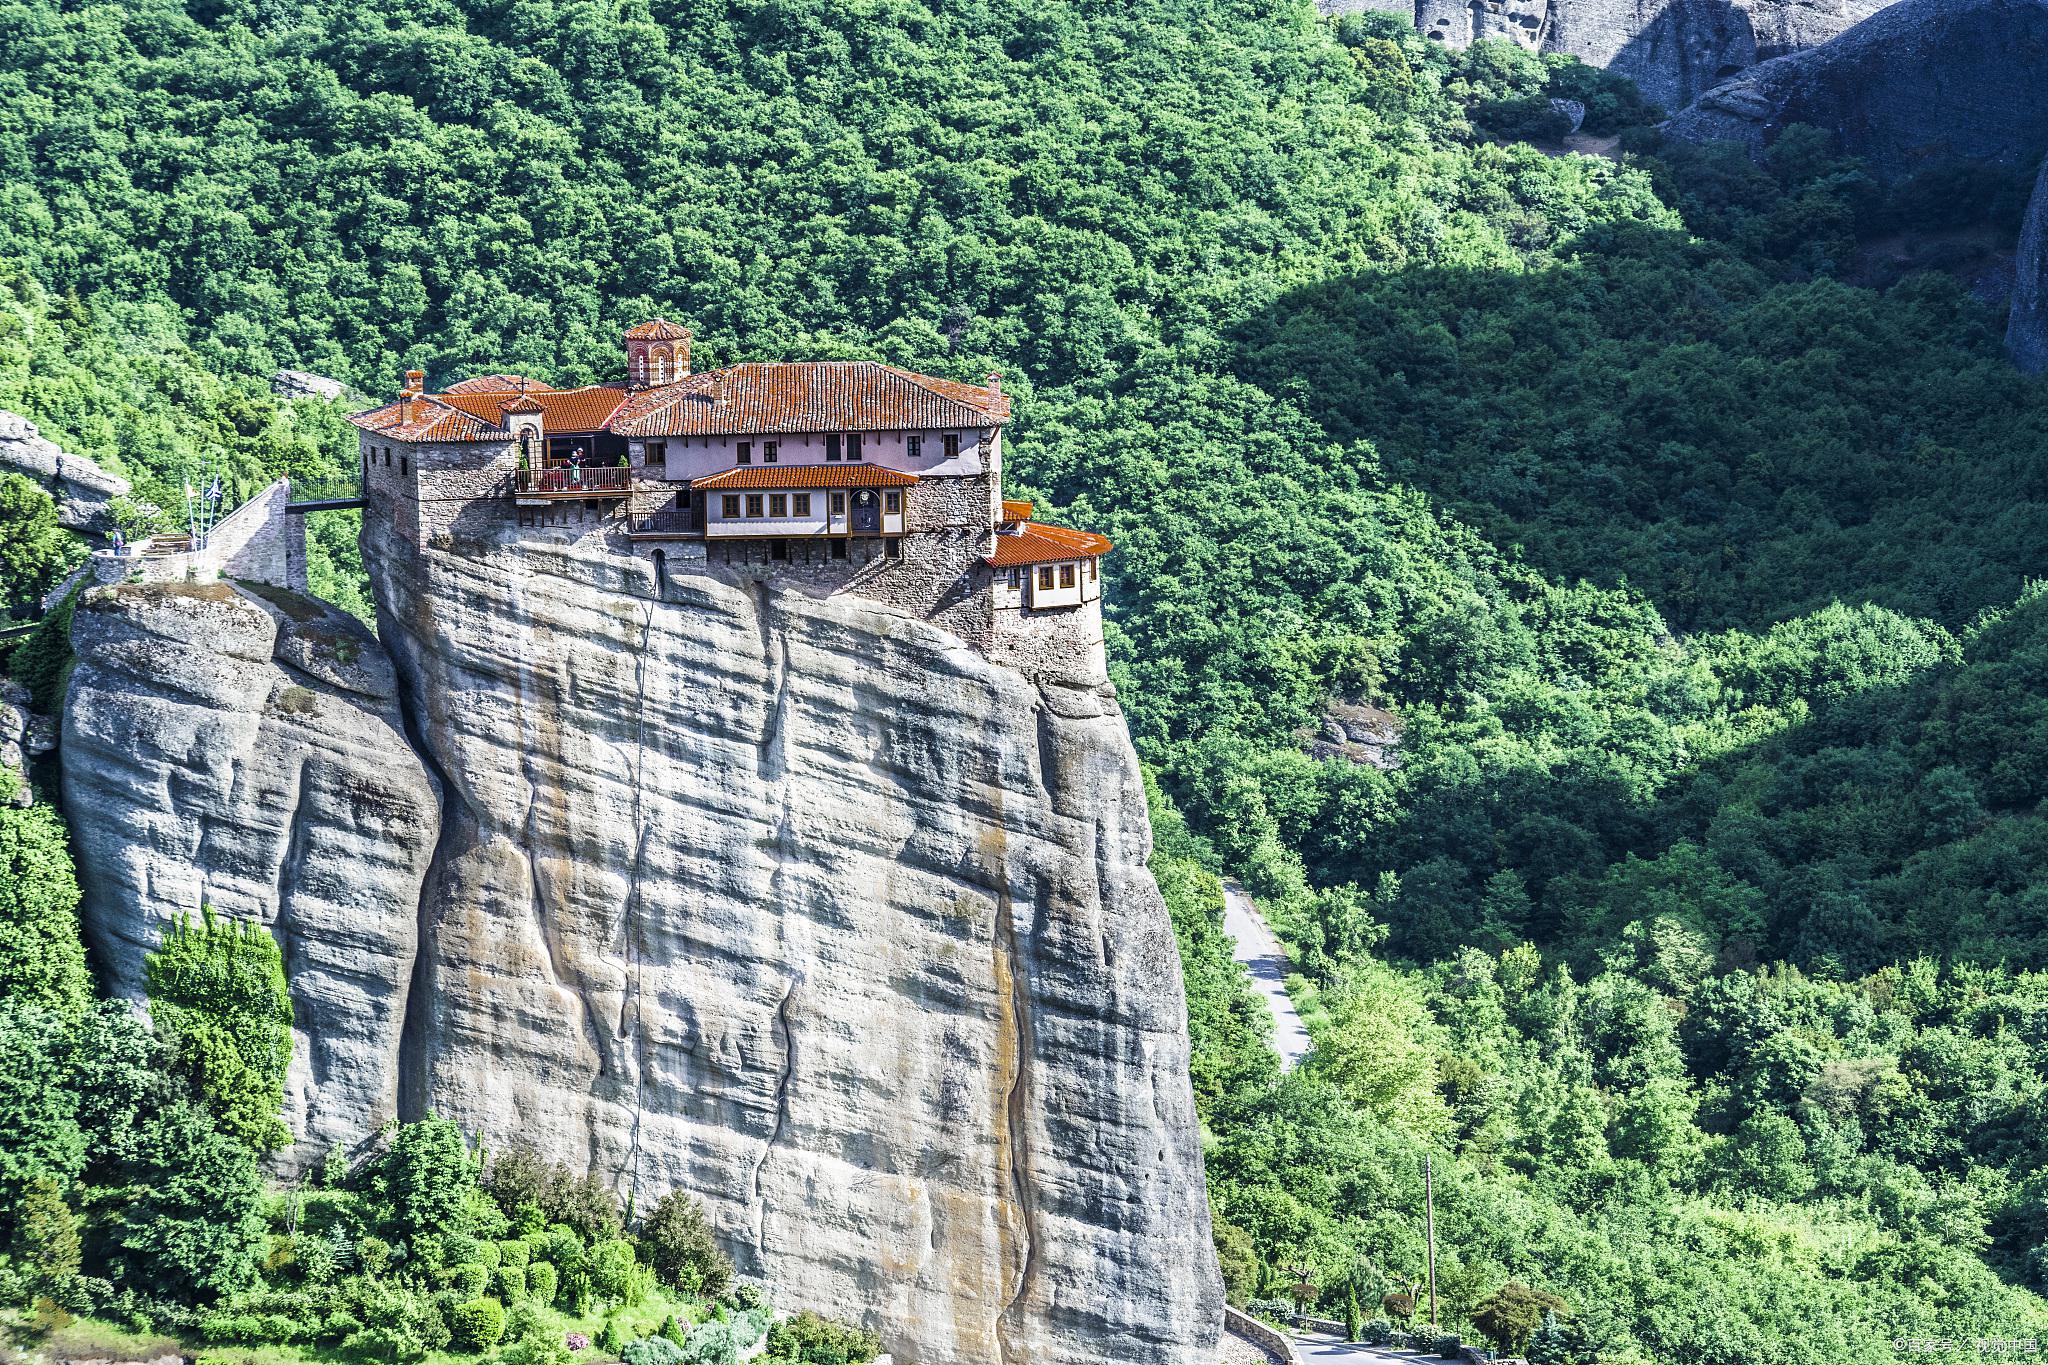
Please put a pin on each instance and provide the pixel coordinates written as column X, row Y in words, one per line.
column 1258, row 950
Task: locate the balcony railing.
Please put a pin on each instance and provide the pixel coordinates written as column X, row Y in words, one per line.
column 664, row 524
column 575, row 481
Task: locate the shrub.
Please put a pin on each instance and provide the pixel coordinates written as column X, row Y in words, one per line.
column 653, row 1351
column 511, row 1282
column 476, row 1325
column 611, row 1338
column 541, row 1283
column 1376, row 1332
column 519, row 1179
column 374, row 1254
column 576, row 1341
column 467, row 1281
column 812, row 1340
column 429, row 1174
column 488, row 1255
column 514, row 1254
column 611, row 1271
column 217, row 996
column 1446, row 1345
column 459, row 1248
column 1512, row 1313
column 677, row 1241
column 672, row 1330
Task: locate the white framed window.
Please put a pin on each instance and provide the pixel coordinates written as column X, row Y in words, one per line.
column 800, row 504
column 778, row 504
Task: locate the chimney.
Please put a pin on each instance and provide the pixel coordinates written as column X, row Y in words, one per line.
column 415, row 381
column 995, row 382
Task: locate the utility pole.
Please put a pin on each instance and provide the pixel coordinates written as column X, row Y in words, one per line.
column 1429, row 1217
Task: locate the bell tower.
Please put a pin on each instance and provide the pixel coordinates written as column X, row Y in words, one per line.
column 657, row 353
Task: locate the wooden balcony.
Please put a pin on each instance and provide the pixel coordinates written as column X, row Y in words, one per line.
column 571, row 481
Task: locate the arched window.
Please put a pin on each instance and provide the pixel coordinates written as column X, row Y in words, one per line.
column 661, row 571
column 526, row 447
column 639, row 364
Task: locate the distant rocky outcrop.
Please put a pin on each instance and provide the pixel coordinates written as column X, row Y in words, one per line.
column 247, row 753
column 1674, row 50
column 1922, row 84
column 2026, row 335
column 306, row 384
column 82, row 489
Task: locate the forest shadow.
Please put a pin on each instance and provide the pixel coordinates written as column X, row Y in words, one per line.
column 1737, row 450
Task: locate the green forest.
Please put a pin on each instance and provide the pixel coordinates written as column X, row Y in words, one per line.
column 1696, row 926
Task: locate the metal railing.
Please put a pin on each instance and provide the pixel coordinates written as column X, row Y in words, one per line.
column 574, row 480
column 345, row 487
column 664, row 524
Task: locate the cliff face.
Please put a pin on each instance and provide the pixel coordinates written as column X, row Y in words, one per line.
column 1674, row 50
column 802, row 905
column 2026, row 335
column 247, row 754
column 1924, row 83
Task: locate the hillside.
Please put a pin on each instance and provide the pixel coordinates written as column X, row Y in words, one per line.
column 1698, row 928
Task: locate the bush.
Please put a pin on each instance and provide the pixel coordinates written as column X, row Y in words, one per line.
column 519, row 1180
column 511, row 1282
column 611, row 1338
column 476, row 1325
column 677, row 1241
column 576, row 1341
column 812, row 1340
column 653, row 1351
column 467, row 1281
column 541, row 1283
column 611, row 1271
column 459, row 1248
column 1446, row 1345
column 1376, row 1332
column 514, row 1255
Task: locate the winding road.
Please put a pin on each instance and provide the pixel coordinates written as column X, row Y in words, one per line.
column 1259, row 951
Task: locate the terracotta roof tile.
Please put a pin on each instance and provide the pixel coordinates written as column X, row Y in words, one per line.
column 1038, row 544
column 432, row 420
column 806, row 396
column 806, row 476
column 564, row 411
column 661, row 329
column 1014, row 510
column 498, row 383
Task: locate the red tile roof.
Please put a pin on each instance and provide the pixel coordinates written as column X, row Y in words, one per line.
column 432, row 420
column 498, row 383
column 806, row 396
column 806, row 476
column 1038, row 544
column 1014, row 510
column 564, row 411
column 661, row 329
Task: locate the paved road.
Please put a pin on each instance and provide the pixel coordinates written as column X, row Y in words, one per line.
column 1330, row 1348
column 1261, row 952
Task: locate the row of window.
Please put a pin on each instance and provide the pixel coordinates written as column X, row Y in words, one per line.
column 837, row 448
column 1046, row 577
column 792, row 505
column 404, row 463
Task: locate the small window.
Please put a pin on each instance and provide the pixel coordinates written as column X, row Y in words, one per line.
column 729, row 507
column 952, row 440
column 778, row 549
column 1066, row 575
column 683, row 499
column 799, row 504
column 913, row 445
column 832, row 446
column 778, row 504
column 1016, row 579
column 839, row 549
column 893, row 548
column 1094, row 570
column 746, row 452
column 1045, row 577
column 405, row 464
column 839, row 504
column 753, row 504
column 769, row 450
column 853, row 445
column 657, row 452
column 387, row 457
column 892, row 503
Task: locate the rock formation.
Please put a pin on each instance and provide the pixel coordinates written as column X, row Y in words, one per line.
column 793, row 901
column 23, row 736
column 306, row 384
column 1674, row 50
column 2026, row 335
column 82, row 489
column 1924, row 83
column 802, row 905
column 246, row 752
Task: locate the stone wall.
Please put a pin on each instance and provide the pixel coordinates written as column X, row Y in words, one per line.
column 1064, row 643
column 259, row 542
